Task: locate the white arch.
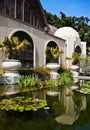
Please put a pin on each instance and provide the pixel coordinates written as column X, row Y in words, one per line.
column 51, row 40
column 23, row 30
column 16, row 30
column 78, row 45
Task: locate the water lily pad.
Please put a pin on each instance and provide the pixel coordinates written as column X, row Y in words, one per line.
column 22, row 104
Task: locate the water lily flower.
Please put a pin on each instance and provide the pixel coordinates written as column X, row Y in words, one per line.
column 37, row 101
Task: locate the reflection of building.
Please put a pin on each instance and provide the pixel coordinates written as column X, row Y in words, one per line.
column 26, row 19
column 73, row 104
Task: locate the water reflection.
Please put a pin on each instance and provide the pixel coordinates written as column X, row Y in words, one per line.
column 76, row 110
column 73, row 105
column 69, row 110
column 8, row 89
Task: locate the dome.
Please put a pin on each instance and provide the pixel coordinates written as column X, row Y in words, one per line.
column 66, row 33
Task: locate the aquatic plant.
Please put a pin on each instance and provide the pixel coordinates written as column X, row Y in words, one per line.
column 51, row 83
column 21, row 104
column 85, row 65
column 66, row 79
column 27, row 82
column 85, row 87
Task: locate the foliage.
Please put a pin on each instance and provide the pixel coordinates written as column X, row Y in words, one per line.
column 52, row 19
column 12, row 46
column 85, row 87
column 80, row 24
column 43, row 70
column 22, row 104
column 53, row 52
column 27, row 71
column 85, row 65
column 28, row 82
column 77, row 98
column 75, row 58
column 66, row 79
column 51, row 83
column 33, row 82
column 43, row 73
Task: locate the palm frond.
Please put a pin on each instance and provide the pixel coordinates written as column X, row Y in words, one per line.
column 53, row 52
column 13, row 45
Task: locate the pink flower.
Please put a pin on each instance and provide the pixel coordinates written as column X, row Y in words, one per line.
column 37, row 101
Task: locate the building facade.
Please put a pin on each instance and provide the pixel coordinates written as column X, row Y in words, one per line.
column 26, row 19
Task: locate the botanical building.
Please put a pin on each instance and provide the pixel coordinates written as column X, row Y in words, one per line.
column 26, row 19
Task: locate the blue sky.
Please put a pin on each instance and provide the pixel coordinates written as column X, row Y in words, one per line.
column 69, row 7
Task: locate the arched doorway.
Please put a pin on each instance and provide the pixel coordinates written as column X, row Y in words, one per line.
column 52, row 44
column 27, row 54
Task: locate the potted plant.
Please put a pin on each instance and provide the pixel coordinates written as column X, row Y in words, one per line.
column 75, row 59
column 53, row 53
column 11, row 48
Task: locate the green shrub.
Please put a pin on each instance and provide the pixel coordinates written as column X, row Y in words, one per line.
column 85, row 65
column 26, row 82
column 42, row 72
column 66, row 79
column 51, row 83
column 86, row 87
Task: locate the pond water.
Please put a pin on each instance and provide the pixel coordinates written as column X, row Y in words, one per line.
column 69, row 110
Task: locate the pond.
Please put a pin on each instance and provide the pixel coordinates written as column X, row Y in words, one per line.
column 68, row 110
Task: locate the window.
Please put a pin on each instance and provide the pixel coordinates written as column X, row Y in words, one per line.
column 19, row 9
column 12, row 8
column 8, row 3
column 2, row 6
column 27, row 11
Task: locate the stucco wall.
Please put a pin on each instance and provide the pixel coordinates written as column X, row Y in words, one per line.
column 40, row 39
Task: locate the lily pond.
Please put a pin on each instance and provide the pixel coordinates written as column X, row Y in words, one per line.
column 60, row 109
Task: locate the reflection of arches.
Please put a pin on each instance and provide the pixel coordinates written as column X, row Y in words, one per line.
column 26, row 55
column 78, row 49
column 51, row 59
